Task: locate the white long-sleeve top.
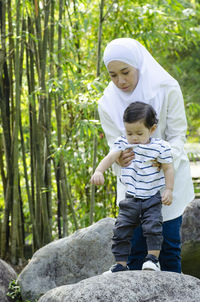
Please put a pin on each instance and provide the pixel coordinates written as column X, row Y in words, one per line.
column 172, row 127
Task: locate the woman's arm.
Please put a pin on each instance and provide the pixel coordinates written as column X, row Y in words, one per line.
column 176, row 124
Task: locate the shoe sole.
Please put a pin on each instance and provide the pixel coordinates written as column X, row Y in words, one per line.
column 107, row 273
column 150, row 269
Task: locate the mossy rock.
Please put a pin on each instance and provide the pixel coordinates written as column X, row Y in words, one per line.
column 191, row 259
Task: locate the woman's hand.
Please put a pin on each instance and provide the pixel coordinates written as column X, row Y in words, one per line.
column 126, row 158
column 155, row 163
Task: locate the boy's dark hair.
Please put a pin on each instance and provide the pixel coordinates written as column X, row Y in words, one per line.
column 140, row 111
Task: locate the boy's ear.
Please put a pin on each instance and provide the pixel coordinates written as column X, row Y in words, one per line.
column 153, row 128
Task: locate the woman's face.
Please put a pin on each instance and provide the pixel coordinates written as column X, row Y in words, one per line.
column 123, row 75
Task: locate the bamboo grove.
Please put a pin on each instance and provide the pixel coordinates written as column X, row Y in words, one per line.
column 51, row 77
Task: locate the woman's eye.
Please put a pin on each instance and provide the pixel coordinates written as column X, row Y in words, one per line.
column 125, row 73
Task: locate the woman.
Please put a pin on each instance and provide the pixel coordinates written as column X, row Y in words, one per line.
column 136, row 76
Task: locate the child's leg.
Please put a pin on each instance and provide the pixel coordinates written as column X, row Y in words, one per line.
column 151, row 222
column 156, row 253
column 152, row 230
column 127, row 220
column 138, row 250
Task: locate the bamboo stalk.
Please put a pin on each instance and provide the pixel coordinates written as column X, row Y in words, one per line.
column 95, row 143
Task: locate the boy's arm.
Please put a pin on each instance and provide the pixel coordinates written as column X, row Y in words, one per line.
column 98, row 178
column 168, row 170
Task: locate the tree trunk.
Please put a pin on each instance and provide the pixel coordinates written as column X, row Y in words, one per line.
column 15, row 209
column 92, row 199
column 5, row 115
column 43, row 191
column 34, row 202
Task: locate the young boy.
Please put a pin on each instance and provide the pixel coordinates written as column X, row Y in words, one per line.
column 144, row 180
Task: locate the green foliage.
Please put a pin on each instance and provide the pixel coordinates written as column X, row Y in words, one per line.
column 80, row 127
column 193, row 113
column 14, row 292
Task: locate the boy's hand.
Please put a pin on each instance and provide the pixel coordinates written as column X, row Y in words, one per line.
column 97, row 178
column 167, row 197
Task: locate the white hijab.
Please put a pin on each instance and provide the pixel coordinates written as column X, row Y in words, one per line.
column 151, row 78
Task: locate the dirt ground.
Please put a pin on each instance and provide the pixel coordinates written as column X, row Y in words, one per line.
column 19, row 267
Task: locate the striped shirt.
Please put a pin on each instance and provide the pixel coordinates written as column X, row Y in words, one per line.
column 140, row 177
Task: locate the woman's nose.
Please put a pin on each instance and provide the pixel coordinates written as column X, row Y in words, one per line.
column 121, row 80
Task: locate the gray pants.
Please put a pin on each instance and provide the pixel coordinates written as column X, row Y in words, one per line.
column 133, row 212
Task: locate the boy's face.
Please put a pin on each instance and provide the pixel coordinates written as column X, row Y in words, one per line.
column 138, row 133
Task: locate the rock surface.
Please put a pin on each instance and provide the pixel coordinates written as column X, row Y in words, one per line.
column 191, row 239
column 84, row 254
column 87, row 253
column 6, row 275
column 131, row 286
column 191, row 222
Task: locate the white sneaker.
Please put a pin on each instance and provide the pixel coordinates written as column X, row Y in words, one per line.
column 151, row 263
column 151, row 266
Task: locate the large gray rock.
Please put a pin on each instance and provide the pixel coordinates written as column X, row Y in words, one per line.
column 191, row 222
column 191, row 239
column 87, row 253
column 6, row 275
column 84, row 254
column 131, row 286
